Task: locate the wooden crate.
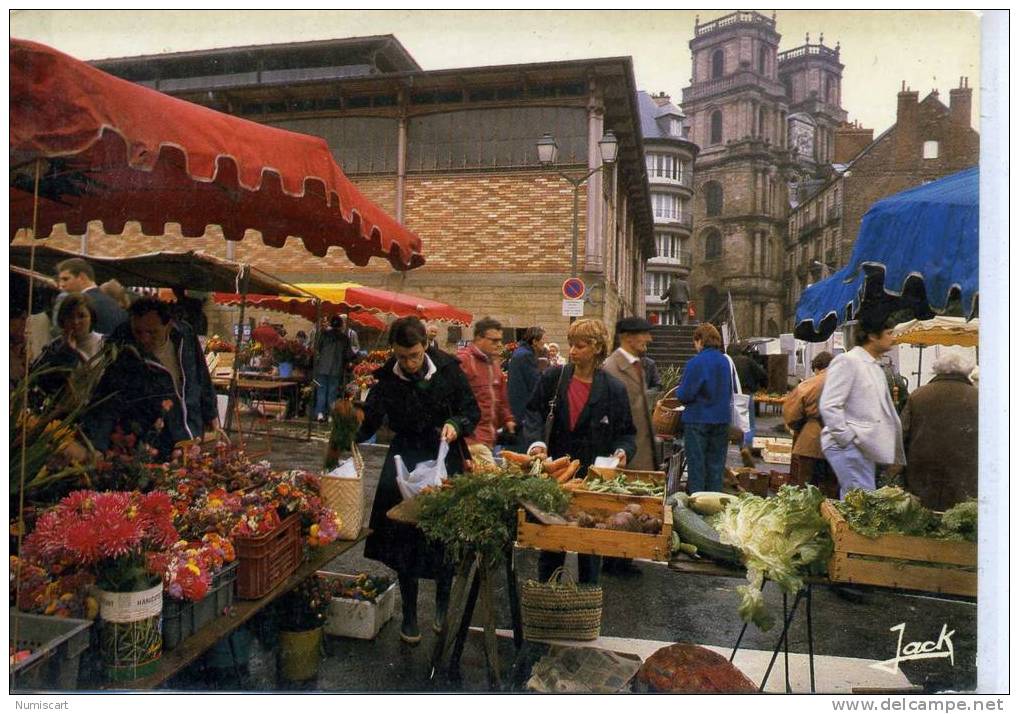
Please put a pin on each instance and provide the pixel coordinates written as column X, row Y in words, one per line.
column 628, row 475
column 593, row 541
column 898, row 561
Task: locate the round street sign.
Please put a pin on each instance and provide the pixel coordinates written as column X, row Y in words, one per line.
column 573, row 289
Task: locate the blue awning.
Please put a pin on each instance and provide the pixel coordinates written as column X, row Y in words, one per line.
column 915, row 250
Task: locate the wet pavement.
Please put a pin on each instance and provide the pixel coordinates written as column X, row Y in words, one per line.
column 651, row 603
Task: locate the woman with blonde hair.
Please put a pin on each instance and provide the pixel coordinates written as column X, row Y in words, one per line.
column 580, row 410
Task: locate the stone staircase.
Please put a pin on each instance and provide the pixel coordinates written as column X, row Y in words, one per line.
column 671, row 345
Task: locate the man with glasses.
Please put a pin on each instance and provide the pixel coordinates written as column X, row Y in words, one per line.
column 480, row 362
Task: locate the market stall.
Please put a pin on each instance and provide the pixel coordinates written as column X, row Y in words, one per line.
column 86, row 146
column 917, row 250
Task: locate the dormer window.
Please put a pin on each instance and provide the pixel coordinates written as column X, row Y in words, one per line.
column 930, row 149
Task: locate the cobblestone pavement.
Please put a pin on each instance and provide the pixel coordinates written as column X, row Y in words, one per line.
column 652, row 603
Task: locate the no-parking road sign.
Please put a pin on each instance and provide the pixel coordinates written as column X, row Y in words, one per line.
column 573, row 289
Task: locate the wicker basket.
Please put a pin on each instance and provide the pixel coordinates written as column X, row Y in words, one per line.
column 346, row 497
column 560, row 609
column 667, row 417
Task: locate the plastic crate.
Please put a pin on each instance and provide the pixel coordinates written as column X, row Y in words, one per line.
column 360, row 619
column 56, row 644
column 267, row 560
column 182, row 619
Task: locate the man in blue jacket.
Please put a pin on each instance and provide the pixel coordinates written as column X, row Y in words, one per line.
column 706, row 390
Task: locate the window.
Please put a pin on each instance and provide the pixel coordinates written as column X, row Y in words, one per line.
column 716, row 127
column 762, row 60
column 930, row 149
column 667, row 245
column 664, row 166
column 760, row 123
column 712, row 245
column 713, row 198
column 666, row 206
column 675, row 127
column 717, row 64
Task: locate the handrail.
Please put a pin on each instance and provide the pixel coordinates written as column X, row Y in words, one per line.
column 735, row 18
column 803, row 50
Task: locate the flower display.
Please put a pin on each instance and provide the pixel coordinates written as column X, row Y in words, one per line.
column 294, row 352
column 218, row 344
column 107, row 533
column 256, row 520
column 41, row 593
column 361, row 587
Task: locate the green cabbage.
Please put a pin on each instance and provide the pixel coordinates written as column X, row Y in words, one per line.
column 887, row 510
column 960, row 521
column 782, row 539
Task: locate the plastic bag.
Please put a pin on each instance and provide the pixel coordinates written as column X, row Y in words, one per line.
column 425, row 474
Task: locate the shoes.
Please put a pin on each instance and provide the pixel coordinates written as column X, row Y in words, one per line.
column 409, row 633
column 320, row 418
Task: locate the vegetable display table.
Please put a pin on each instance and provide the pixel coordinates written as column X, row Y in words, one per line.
column 193, row 647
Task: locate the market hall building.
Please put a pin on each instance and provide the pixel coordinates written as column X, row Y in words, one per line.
column 452, row 155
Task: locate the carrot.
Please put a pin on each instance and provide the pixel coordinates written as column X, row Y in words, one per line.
column 553, row 466
column 569, row 472
column 514, row 457
column 573, row 484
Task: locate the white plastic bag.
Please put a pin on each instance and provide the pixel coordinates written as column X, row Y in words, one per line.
column 425, row 474
column 740, row 418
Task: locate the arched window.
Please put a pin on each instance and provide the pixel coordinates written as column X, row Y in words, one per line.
column 711, row 303
column 762, row 60
column 712, row 245
column 713, row 198
column 717, row 64
column 716, row 127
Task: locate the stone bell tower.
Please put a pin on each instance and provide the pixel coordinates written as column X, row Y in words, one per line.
column 737, row 109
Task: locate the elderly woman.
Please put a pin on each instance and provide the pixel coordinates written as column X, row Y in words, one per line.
column 425, row 397
column 590, row 417
column 77, row 344
column 802, row 416
column 555, row 359
column 939, row 427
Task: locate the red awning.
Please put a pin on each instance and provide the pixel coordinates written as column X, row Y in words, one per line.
column 116, row 151
column 304, row 307
column 353, row 298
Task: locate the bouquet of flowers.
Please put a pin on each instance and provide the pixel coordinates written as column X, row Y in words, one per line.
column 305, row 607
column 38, row 591
column 293, row 352
column 362, row 587
column 218, row 344
column 251, row 351
column 107, row 534
column 256, row 520
column 188, row 568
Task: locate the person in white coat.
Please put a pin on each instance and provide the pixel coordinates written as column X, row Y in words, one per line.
column 861, row 427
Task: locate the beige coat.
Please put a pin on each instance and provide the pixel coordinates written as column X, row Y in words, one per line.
column 801, row 414
column 619, row 367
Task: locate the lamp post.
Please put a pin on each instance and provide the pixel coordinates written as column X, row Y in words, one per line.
column 548, row 153
column 825, row 270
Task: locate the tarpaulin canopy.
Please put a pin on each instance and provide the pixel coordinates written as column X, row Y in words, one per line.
column 189, row 269
column 939, row 331
column 916, row 250
column 304, row 307
column 341, row 297
column 114, row 151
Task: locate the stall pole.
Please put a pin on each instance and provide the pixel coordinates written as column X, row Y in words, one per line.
column 314, row 358
column 231, row 404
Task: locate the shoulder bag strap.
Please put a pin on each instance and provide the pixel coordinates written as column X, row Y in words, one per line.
column 737, row 388
column 551, row 408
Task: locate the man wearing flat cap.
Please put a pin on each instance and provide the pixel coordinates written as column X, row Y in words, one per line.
column 624, row 364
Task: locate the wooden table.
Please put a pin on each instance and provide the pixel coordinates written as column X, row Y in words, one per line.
column 242, row 610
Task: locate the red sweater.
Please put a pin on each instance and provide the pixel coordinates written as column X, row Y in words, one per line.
column 489, row 386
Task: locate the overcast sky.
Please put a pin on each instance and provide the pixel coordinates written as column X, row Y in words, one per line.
column 880, row 49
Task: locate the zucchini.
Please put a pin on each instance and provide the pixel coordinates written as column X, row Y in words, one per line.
column 694, row 530
column 709, row 503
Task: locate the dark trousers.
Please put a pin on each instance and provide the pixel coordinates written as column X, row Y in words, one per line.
column 679, row 312
column 705, row 446
column 818, row 472
column 589, row 566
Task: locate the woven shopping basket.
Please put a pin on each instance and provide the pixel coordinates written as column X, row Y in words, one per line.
column 667, row 417
column 346, row 497
column 560, row 609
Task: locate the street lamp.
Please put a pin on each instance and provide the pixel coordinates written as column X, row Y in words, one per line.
column 548, row 154
column 825, row 270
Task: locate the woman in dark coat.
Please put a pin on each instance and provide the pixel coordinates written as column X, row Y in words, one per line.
column 591, row 418
column 77, row 344
column 939, row 430
column 424, row 397
column 523, row 372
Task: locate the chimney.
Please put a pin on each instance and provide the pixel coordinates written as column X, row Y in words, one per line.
column 661, row 99
column 960, row 103
column 907, row 128
column 850, row 140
